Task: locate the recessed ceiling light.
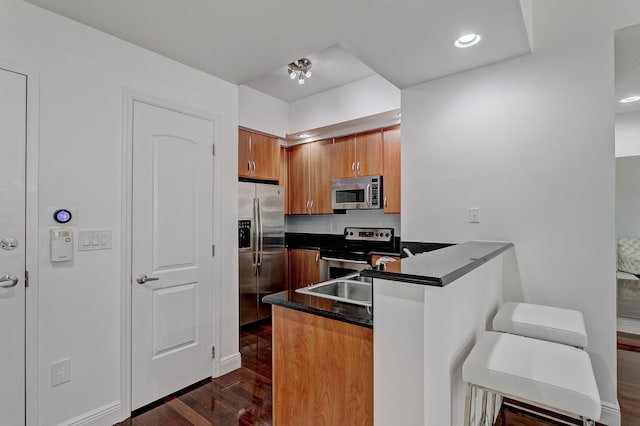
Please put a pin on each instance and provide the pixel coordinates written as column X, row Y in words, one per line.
column 304, row 135
column 468, row 40
column 630, row 99
column 399, row 114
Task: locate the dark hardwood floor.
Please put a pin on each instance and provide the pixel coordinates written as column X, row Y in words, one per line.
column 243, row 397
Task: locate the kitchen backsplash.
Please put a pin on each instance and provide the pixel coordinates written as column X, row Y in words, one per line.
column 335, row 223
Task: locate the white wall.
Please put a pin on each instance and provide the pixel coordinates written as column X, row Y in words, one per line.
column 82, row 75
column 261, row 112
column 628, row 197
column 628, row 134
column 362, row 98
column 335, row 223
column 530, row 142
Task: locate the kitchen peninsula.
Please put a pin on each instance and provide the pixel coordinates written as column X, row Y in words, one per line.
column 333, row 362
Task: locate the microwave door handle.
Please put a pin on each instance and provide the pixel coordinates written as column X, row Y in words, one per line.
column 367, row 195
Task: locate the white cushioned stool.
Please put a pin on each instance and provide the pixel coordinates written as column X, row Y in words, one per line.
column 542, row 322
column 549, row 375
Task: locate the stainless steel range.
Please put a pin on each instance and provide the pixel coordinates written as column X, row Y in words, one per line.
column 355, row 254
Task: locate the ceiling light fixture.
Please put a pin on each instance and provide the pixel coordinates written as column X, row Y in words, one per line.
column 468, row 40
column 630, row 99
column 302, row 67
column 304, row 135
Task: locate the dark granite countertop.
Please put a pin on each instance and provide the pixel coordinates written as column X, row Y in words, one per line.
column 441, row 267
column 346, row 312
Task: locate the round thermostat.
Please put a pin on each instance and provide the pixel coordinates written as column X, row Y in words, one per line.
column 62, row 216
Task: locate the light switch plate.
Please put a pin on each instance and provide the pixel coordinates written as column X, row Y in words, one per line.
column 94, row 239
column 61, row 372
column 474, row 215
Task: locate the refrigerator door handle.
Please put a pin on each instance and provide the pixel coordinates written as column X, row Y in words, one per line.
column 260, row 238
column 254, row 252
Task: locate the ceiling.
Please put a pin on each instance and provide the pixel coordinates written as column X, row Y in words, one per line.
column 251, row 41
column 627, row 63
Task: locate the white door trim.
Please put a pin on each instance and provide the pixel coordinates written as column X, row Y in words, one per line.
column 129, row 97
column 31, row 188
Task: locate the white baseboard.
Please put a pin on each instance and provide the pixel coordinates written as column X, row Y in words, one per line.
column 230, row 363
column 629, row 325
column 102, row 416
column 610, row 414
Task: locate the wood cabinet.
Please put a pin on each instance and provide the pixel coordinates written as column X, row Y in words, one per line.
column 310, row 178
column 304, row 267
column 258, row 156
column 391, row 170
column 391, row 266
column 284, row 176
column 358, row 155
column 322, row 370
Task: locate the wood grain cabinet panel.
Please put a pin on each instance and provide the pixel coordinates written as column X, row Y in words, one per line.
column 284, row 177
column 322, row 371
column 258, row 156
column 310, row 178
column 391, row 170
column 304, row 267
column 357, row 155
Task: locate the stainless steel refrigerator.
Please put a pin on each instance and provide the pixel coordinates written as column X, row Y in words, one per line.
column 261, row 247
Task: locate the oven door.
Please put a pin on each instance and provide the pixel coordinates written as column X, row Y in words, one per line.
column 332, row 267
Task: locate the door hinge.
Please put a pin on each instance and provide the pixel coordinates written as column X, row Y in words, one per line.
column 213, row 250
column 213, row 352
column 213, row 149
column 26, row 278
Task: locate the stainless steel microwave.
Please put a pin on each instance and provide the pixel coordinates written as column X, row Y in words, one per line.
column 362, row 193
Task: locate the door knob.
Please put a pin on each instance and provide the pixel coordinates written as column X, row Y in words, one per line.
column 143, row 278
column 12, row 281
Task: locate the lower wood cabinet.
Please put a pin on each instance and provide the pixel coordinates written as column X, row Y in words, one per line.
column 322, row 370
column 304, row 267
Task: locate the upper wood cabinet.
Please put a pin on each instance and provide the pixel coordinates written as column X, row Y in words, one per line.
column 258, row 156
column 358, row 155
column 391, row 172
column 304, row 267
column 310, row 178
column 284, row 176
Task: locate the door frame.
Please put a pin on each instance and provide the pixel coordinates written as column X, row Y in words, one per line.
column 31, row 238
column 129, row 97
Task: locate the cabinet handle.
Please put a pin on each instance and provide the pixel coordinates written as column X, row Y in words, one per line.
column 249, row 166
column 307, row 206
column 317, row 257
column 353, row 168
column 311, row 208
column 358, row 167
column 254, row 167
column 385, row 202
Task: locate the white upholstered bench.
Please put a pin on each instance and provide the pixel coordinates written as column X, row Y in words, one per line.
column 549, row 375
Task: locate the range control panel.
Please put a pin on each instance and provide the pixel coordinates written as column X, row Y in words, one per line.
column 368, row 234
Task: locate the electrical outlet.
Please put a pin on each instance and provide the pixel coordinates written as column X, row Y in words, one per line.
column 60, row 372
column 474, row 215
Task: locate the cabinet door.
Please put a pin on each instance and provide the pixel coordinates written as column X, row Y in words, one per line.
column 369, row 153
column 244, row 153
column 299, row 179
column 320, row 157
column 265, row 153
column 284, row 176
column 391, row 166
column 304, row 267
column 344, row 157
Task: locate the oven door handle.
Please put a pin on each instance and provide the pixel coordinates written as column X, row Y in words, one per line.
column 334, row 259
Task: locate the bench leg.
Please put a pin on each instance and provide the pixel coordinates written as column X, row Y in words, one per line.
column 467, row 406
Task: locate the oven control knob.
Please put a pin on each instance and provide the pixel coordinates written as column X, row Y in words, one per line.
column 350, row 233
column 386, row 235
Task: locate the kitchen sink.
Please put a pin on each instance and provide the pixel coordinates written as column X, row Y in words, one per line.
column 354, row 290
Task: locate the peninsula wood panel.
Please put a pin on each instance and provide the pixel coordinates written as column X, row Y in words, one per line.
column 369, row 153
column 322, row 371
column 391, row 170
column 320, row 156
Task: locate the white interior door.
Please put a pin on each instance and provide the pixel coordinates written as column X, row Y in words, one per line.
column 13, row 104
column 172, row 233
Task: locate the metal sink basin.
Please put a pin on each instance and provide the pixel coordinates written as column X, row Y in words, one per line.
column 354, row 290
